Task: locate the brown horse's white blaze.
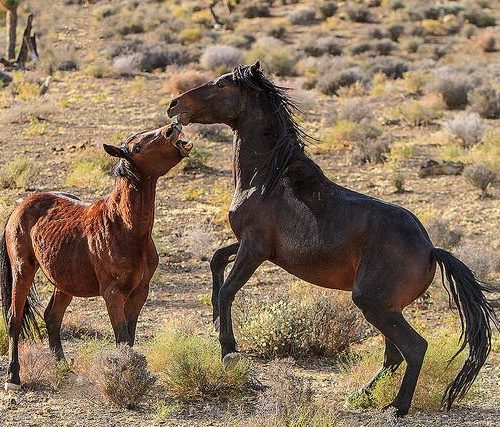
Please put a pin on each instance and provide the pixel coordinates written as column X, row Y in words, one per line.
column 286, row 211
column 86, row 250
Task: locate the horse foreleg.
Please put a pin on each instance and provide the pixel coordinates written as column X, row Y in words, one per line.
column 218, row 265
column 115, row 303
column 133, row 307
column 53, row 317
column 248, row 259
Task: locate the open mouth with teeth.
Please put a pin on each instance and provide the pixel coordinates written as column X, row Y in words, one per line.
column 174, row 134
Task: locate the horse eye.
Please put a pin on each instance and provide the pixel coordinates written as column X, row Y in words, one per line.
column 137, row 149
column 220, row 84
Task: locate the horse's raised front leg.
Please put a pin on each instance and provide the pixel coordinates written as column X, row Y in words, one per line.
column 133, row 307
column 248, row 259
column 218, row 265
column 53, row 317
column 115, row 303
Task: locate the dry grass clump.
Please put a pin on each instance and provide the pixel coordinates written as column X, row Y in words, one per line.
column 220, row 58
column 485, row 100
column 329, row 83
column 39, row 368
column 417, row 113
column 480, row 18
column 61, row 58
column 303, row 16
column 345, row 132
column 184, row 80
column 304, row 322
column 190, row 368
column 384, row 47
column 200, row 240
column 316, row 47
column 356, row 110
column 359, row 13
column 392, row 68
column 122, row 376
column 454, row 90
column 467, row 128
column 90, row 170
column 483, row 260
column 440, row 230
column 4, row 339
column 256, row 9
column 487, row 41
column 18, row 173
column 126, row 65
column 480, row 177
column 27, row 111
column 274, row 54
column 288, row 402
column 438, row 371
column 327, row 9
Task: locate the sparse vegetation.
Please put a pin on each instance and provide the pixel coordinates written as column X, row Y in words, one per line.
column 486, row 101
column 479, row 176
column 307, row 323
column 189, row 366
column 18, row 173
column 90, row 170
column 220, row 58
column 122, row 376
column 274, row 55
column 467, row 128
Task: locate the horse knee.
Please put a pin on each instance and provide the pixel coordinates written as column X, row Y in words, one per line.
column 218, row 261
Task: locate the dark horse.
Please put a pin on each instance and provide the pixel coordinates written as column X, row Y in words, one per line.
column 86, row 250
column 286, row 211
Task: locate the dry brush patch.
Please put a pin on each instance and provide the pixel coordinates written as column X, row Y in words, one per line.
column 189, row 366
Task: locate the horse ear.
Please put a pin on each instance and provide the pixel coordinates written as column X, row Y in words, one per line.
column 115, row 151
column 255, row 68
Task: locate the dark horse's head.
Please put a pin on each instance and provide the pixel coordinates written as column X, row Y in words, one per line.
column 246, row 99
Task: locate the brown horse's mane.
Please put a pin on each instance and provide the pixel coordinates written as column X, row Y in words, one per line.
column 292, row 139
column 124, row 168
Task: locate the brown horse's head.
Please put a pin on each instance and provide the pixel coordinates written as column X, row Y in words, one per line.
column 153, row 153
column 218, row 101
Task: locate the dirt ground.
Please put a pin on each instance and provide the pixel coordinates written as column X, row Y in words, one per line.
column 90, row 111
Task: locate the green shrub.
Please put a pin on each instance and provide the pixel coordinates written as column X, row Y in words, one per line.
column 274, row 55
column 189, row 366
column 311, row 323
column 18, row 173
column 416, row 113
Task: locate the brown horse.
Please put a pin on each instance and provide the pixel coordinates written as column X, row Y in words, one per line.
column 104, row 248
column 286, row 211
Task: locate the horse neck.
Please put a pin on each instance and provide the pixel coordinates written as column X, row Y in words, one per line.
column 135, row 207
column 255, row 136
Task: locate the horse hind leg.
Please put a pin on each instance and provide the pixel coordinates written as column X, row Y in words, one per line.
column 53, row 317
column 392, row 361
column 412, row 346
column 23, row 274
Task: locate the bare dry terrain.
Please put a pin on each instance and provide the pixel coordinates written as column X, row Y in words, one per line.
column 381, row 105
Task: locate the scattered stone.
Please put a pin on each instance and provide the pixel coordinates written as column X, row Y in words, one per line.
column 434, row 168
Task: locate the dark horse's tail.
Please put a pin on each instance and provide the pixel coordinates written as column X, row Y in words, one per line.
column 30, row 328
column 476, row 317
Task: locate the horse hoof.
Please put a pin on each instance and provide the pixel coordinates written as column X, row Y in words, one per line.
column 217, row 324
column 12, row 387
column 231, row 360
column 398, row 412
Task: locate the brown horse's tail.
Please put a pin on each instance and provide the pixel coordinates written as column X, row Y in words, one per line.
column 30, row 328
column 476, row 317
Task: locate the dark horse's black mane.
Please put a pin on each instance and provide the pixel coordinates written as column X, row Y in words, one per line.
column 291, row 139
